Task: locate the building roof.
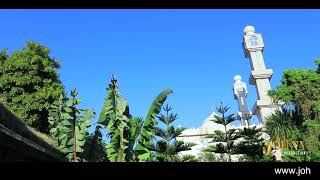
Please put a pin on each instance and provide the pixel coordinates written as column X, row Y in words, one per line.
column 18, row 134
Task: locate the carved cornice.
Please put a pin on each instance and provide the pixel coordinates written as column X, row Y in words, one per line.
column 260, row 74
column 259, row 104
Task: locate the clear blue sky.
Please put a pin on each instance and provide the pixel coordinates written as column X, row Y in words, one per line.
column 194, row 52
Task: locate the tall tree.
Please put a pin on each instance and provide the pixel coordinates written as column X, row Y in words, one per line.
column 225, row 140
column 29, row 83
column 301, row 87
column 167, row 147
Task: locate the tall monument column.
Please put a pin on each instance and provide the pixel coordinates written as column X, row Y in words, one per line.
column 240, row 92
column 260, row 76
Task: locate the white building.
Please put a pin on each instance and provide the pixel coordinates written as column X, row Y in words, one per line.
column 197, row 136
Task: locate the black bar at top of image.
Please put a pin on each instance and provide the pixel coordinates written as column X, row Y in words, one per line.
column 159, row 4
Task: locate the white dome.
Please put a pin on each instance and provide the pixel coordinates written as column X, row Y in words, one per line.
column 237, row 78
column 249, row 29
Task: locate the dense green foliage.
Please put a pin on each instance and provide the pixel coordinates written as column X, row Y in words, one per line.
column 252, row 143
column 94, row 149
column 280, row 127
column 311, row 139
column 301, row 87
column 297, row 127
column 29, row 83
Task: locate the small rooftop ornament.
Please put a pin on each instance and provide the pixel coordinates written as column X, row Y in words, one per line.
column 249, row 30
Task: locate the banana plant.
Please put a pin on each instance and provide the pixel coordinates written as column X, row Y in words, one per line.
column 69, row 126
column 55, row 118
column 135, row 125
column 129, row 136
column 115, row 117
column 147, row 133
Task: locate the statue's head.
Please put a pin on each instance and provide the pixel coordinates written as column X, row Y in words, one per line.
column 237, row 78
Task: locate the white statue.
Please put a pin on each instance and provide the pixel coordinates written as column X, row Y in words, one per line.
column 240, row 94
